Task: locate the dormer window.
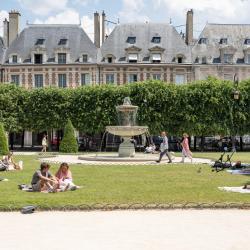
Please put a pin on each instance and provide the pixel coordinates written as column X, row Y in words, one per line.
column 179, row 59
column 63, row 41
column 203, row 41
column 228, row 58
column 38, row 58
column 203, row 60
column 247, row 41
column 132, row 58
column 156, row 58
column 62, row 58
column 14, row 59
column 40, row 41
column 85, row 58
column 110, row 59
column 223, row 41
column 156, row 39
column 131, row 40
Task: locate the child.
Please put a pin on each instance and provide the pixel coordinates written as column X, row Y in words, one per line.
column 43, row 180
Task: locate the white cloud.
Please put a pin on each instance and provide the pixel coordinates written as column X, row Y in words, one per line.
column 68, row 16
column 43, row 7
column 81, row 2
column 210, row 10
column 213, row 11
column 3, row 14
column 133, row 11
column 88, row 26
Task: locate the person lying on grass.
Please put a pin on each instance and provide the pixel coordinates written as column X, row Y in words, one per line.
column 43, row 180
column 10, row 164
column 64, row 178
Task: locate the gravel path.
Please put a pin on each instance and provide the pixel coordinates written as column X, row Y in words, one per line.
column 74, row 160
column 127, row 230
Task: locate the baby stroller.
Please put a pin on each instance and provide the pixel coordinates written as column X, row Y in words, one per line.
column 220, row 165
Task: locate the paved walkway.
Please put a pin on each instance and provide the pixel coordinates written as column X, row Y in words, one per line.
column 127, row 230
column 73, row 159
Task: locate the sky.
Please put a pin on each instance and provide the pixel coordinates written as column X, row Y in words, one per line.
column 123, row 11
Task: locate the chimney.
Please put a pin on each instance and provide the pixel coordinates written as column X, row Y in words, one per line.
column 6, row 33
column 103, row 26
column 189, row 27
column 97, row 32
column 13, row 25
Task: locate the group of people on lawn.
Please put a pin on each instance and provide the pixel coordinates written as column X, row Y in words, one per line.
column 44, row 181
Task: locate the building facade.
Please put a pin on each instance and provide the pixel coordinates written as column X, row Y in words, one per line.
column 64, row 56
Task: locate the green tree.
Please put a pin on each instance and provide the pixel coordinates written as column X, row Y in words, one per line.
column 69, row 143
column 4, row 149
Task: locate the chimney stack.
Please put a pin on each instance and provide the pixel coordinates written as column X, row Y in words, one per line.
column 103, row 26
column 6, row 33
column 13, row 25
column 189, row 27
column 97, row 31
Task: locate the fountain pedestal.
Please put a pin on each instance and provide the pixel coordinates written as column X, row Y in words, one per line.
column 126, row 148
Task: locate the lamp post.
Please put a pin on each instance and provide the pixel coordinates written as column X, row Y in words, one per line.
column 236, row 97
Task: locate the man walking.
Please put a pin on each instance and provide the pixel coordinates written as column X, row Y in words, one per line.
column 164, row 147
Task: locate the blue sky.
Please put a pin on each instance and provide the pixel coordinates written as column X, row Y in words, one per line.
column 72, row 11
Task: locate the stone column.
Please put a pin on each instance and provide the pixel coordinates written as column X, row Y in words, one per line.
column 27, row 138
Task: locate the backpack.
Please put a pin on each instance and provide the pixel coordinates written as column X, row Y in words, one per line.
column 3, row 166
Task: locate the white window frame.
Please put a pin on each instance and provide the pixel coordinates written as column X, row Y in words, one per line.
column 17, row 83
column 130, row 76
column 87, row 79
column 58, row 57
column 39, row 82
column 64, row 81
column 112, row 77
column 156, row 76
column 180, row 79
column 228, row 58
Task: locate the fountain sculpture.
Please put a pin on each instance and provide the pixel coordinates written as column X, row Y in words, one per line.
column 127, row 127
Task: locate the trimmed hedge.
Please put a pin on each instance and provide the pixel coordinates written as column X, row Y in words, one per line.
column 69, row 143
column 4, row 148
column 200, row 108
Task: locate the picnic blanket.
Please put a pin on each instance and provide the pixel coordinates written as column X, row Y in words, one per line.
column 239, row 171
column 235, row 189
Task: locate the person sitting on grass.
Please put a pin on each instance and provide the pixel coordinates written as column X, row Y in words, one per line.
column 64, row 178
column 10, row 163
column 43, row 180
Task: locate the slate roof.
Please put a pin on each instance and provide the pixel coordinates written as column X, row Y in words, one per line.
column 171, row 42
column 78, row 42
column 236, row 34
column 1, row 50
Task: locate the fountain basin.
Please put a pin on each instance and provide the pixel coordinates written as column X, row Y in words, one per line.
column 127, row 131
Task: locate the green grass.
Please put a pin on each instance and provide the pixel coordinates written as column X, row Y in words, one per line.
column 127, row 185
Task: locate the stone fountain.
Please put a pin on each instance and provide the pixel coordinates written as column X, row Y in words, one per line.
column 127, row 127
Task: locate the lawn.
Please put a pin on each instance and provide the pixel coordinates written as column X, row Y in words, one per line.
column 127, row 185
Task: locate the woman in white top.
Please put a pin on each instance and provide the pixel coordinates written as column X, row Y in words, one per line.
column 44, row 143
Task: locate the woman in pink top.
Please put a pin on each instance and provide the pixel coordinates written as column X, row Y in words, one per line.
column 64, row 178
column 185, row 148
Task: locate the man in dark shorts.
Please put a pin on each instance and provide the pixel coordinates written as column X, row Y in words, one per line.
column 43, row 180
